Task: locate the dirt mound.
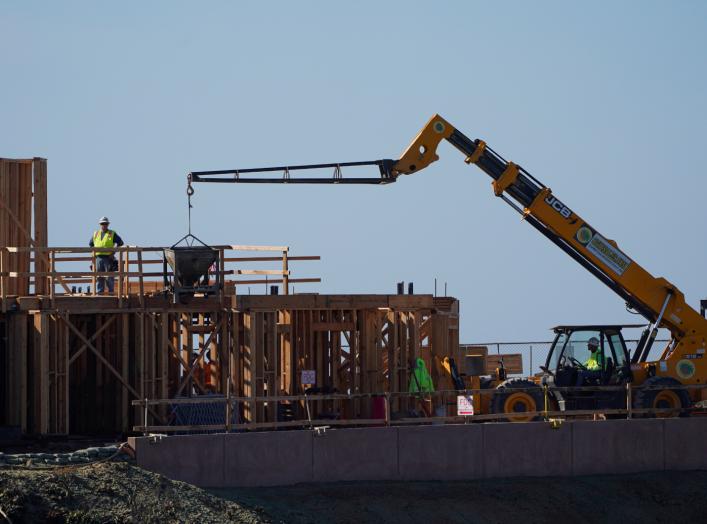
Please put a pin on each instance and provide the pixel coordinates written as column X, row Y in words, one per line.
column 121, row 492
column 110, row 492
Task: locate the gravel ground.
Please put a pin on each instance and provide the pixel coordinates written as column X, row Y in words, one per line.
column 647, row 497
column 110, row 492
column 121, row 492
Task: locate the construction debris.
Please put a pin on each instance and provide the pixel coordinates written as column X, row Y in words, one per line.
column 80, row 457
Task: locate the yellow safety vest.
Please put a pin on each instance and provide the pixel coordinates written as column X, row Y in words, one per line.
column 595, row 361
column 104, row 241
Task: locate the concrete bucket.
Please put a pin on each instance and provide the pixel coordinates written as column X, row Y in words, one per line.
column 190, row 263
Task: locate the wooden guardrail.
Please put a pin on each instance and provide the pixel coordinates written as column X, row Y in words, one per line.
column 135, row 274
column 232, row 403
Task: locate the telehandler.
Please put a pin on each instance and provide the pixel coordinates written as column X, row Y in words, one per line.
column 681, row 363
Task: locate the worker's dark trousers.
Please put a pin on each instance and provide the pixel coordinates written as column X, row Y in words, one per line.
column 104, row 263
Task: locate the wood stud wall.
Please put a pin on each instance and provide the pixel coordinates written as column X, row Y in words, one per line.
column 77, row 372
column 23, row 219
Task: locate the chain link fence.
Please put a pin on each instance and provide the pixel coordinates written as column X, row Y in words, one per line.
column 535, row 353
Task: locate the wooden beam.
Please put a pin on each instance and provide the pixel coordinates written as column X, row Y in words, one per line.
column 192, row 368
column 100, row 357
column 257, row 248
column 93, row 337
column 185, row 364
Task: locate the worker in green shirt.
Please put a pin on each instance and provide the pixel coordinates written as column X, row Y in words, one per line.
column 420, row 380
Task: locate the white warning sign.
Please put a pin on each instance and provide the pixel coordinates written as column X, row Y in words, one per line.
column 465, row 405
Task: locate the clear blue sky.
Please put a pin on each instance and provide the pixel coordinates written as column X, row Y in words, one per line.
column 602, row 101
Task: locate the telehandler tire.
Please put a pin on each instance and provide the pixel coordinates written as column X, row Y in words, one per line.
column 516, row 403
column 662, row 398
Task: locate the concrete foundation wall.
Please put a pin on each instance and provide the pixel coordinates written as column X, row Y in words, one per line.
column 449, row 452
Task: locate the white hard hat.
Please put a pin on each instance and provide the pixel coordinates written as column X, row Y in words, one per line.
column 104, row 220
column 594, row 341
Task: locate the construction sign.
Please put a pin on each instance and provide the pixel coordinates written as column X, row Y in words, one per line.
column 465, row 405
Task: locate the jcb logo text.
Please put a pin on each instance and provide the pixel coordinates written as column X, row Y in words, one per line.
column 558, row 206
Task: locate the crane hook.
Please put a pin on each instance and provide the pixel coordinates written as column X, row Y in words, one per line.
column 190, row 192
column 190, row 188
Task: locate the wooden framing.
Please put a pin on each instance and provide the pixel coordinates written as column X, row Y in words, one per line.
column 84, row 360
column 23, row 220
column 75, row 362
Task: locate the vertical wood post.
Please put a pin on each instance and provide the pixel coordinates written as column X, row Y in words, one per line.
column 140, row 281
column 285, row 273
column 94, row 277
column 39, row 197
column 3, row 279
column 220, row 277
column 120, row 279
column 164, row 355
column 52, row 269
column 228, row 406
column 124, row 368
column 67, row 377
column 41, row 326
column 126, row 261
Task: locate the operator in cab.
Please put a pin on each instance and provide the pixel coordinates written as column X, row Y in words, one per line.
column 105, row 260
column 595, row 362
column 593, row 366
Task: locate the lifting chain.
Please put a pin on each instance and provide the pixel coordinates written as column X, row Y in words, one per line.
column 190, row 192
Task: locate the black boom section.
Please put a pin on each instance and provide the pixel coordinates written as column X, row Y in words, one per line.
column 524, row 189
column 243, row 176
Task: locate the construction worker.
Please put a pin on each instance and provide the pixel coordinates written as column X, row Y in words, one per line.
column 105, row 260
column 421, row 382
column 593, row 367
column 595, row 362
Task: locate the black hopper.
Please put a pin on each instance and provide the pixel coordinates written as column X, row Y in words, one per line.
column 191, row 264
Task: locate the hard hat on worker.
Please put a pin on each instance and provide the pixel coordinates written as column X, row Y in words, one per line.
column 103, row 220
column 593, row 342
